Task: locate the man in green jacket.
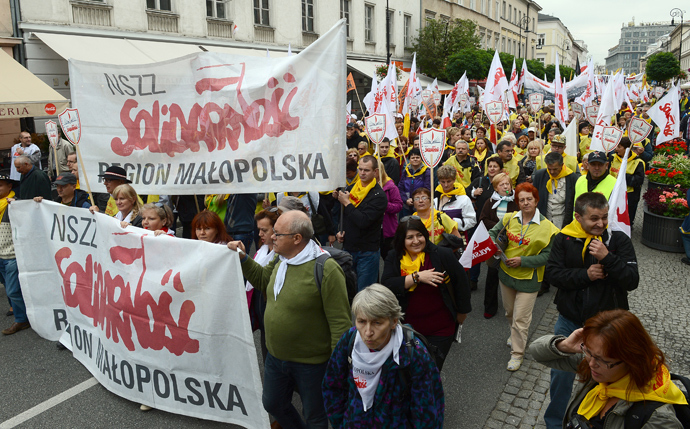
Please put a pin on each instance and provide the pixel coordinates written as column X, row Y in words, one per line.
column 303, row 324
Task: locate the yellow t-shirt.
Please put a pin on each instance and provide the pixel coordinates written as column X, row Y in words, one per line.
column 446, row 225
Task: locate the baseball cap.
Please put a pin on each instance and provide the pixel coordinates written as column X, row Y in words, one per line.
column 558, row 139
column 289, row 202
column 597, row 156
column 66, row 179
column 351, row 125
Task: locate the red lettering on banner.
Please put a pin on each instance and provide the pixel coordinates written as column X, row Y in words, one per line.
column 94, row 295
column 670, row 120
column 259, row 118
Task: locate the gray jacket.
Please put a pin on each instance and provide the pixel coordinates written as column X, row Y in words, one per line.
column 544, row 351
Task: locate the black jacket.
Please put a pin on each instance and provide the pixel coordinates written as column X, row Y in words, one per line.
column 81, row 199
column 456, row 293
column 578, row 298
column 482, row 182
column 362, row 224
column 35, row 183
column 539, row 180
column 392, row 167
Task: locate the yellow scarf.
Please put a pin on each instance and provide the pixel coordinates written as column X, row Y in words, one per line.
column 408, row 266
column 388, row 155
column 3, row 204
column 419, row 173
column 359, row 192
column 352, row 181
column 287, row 194
column 574, row 229
column 660, row 389
column 449, row 147
column 480, row 155
column 457, row 190
column 630, row 169
column 551, row 183
column 439, row 227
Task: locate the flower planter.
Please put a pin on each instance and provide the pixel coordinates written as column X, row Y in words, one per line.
column 661, row 232
column 657, row 185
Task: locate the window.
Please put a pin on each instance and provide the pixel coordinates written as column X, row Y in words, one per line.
column 627, row 49
column 408, row 30
column 496, row 11
column 391, row 34
column 368, row 23
column 514, row 48
column 159, row 4
column 483, row 7
column 472, row 4
column 345, row 13
column 636, row 34
column 541, row 39
column 503, row 44
column 643, row 34
column 510, row 13
column 503, row 12
column 261, row 12
column 308, row 15
column 216, row 9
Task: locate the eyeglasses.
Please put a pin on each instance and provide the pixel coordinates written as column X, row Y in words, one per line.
column 598, row 361
column 420, row 198
column 280, row 235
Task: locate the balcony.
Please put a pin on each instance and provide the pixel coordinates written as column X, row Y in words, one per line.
column 219, row 28
column 162, row 21
column 91, row 13
column 308, row 38
column 263, row 34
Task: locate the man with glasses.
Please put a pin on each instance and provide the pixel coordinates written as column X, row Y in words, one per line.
column 363, row 209
column 593, row 269
column 303, row 324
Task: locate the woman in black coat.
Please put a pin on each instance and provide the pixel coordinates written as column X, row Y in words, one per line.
column 430, row 284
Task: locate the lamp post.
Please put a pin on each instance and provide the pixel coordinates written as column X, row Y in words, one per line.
column 676, row 12
column 388, row 36
column 524, row 21
column 565, row 47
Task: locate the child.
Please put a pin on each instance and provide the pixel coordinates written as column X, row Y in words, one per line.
column 157, row 218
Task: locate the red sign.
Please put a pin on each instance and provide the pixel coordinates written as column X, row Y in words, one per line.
column 638, row 130
column 52, row 131
column 610, row 137
column 50, row 109
column 375, row 126
column 431, row 144
column 494, row 110
column 577, row 110
column 535, row 101
column 592, row 112
column 71, row 125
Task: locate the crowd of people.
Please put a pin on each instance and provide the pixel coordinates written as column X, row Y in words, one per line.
column 372, row 267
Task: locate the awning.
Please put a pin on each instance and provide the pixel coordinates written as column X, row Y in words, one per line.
column 114, row 51
column 24, row 95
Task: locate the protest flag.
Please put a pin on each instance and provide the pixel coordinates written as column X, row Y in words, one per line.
column 666, row 114
column 350, row 83
column 619, row 217
column 480, row 248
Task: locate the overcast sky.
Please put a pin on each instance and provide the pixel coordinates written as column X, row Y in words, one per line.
column 598, row 23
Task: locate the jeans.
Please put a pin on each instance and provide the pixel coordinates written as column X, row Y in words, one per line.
column 10, row 278
column 685, row 238
column 561, row 381
column 475, row 271
column 280, row 380
column 366, row 265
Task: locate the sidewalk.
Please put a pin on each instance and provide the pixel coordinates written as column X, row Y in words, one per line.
column 661, row 301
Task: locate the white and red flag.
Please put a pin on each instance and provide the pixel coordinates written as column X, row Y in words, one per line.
column 496, row 83
column 666, row 114
column 513, row 85
column 373, row 97
column 619, row 217
column 588, row 96
column 414, row 88
column 521, row 81
column 607, row 109
column 560, row 98
column 480, row 248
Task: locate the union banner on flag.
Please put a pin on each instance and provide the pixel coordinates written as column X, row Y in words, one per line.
column 480, row 248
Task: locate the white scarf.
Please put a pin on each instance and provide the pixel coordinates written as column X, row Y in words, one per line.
column 262, row 257
column 309, row 253
column 498, row 198
column 366, row 365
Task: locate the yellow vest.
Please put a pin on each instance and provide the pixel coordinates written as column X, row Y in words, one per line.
column 633, row 162
column 604, row 187
column 464, row 176
column 535, row 237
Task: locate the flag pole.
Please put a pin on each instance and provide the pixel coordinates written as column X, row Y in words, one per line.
column 431, row 179
column 360, row 102
column 86, row 177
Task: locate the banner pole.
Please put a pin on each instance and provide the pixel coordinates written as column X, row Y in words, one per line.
column 360, row 102
column 83, row 170
column 431, row 203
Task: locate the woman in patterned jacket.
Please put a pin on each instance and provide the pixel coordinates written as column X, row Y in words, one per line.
column 391, row 381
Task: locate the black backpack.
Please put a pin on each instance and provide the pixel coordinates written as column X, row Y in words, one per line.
column 410, row 338
column 639, row 412
column 343, row 259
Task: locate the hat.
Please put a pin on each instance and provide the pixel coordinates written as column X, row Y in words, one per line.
column 360, row 123
column 351, row 125
column 532, row 130
column 353, row 116
column 66, row 179
column 558, row 139
column 115, row 173
column 597, row 156
column 399, row 115
column 289, row 202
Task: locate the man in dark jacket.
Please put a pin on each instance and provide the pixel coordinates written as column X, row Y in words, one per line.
column 593, row 269
column 68, row 194
column 363, row 209
column 34, row 182
column 390, row 163
column 556, row 186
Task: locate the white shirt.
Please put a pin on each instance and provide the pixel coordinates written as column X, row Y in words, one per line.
column 29, row 150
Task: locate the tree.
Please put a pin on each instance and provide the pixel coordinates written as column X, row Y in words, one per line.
column 439, row 39
column 535, row 67
column 565, row 71
column 662, row 66
column 473, row 61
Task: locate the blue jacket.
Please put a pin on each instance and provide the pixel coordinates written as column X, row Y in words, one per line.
column 407, row 184
column 343, row 403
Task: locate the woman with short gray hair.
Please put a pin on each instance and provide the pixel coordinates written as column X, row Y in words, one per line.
column 380, row 373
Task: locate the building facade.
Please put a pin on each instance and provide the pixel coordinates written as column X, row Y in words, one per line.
column 519, row 23
column 633, row 43
column 483, row 12
column 555, row 38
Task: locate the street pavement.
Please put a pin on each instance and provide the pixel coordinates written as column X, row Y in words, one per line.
column 479, row 391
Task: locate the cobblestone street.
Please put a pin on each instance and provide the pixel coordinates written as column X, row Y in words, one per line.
column 660, row 301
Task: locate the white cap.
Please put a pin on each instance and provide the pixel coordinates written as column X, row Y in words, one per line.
column 399, row 115
column 354, row 117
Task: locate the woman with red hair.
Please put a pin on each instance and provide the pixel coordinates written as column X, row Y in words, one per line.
column 207, row 226
column 529, row 236
column 618, row 365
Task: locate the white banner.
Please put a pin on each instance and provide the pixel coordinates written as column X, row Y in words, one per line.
column 151, row 323
column 218, row 123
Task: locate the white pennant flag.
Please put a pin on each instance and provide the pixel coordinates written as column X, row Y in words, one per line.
column 480, row 248
column 414, row 88
column 588, row 95
column 513, row 91
column 496, row 83
column 619, row 217
column 666, row 114
column 570, row 134
column 370, row 98
column 607, row 109
column 560, row 98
